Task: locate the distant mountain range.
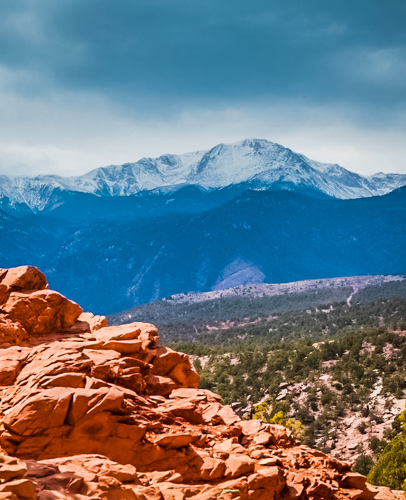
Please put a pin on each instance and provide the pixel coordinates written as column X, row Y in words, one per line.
column 250, row 212
column 250, row 164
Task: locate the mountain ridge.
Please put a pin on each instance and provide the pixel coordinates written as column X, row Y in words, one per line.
column 258, row 163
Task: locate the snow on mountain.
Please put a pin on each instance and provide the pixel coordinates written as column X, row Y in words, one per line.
column 385, row 183
column 259, row 163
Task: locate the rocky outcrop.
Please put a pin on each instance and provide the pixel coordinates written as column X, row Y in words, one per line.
column 28, row 309
column 91, row 411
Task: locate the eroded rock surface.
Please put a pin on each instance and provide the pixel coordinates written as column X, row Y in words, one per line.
column 91, row 411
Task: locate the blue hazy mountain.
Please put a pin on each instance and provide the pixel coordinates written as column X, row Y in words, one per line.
column 201, row 240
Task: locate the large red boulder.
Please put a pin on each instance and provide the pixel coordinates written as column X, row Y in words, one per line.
column 41, row 312
column 22, row 279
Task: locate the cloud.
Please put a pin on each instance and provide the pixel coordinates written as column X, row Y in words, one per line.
column 84, row 84
column 141, row 52
column 72, row 133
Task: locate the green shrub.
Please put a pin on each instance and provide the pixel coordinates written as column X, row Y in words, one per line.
column 377, row 445
column 362, row 428
column 390, row 468
column 363, row 464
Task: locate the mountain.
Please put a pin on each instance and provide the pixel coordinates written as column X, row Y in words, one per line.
column 257, row 236
column 251, row 164
column 249, row 212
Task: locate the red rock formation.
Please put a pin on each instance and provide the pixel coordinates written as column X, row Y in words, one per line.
column 90, row 411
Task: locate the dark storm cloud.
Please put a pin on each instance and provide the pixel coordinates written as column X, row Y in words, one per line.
column 170, row 53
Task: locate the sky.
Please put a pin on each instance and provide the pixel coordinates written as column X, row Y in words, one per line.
column 88, row 83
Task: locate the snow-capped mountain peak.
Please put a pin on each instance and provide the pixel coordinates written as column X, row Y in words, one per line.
column 259, row 163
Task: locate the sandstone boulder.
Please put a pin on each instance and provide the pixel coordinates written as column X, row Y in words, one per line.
column 42, row 311
column 23, row 279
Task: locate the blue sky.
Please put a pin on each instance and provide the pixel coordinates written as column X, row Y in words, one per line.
column 85, row 83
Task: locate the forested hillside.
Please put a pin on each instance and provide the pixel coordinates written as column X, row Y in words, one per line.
column 336, row 377
column 324, row 307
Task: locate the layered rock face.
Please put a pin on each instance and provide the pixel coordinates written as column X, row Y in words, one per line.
column 91, row 411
